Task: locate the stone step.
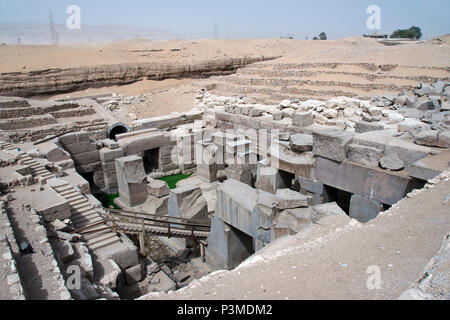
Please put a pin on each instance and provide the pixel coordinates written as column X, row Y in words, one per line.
column 63, row 188
column 47, row 175
column 74, row 202
column 104, row 243
column 83, row 211
column 66, row 191
column 73, row 195
column 83, row 223
column 80, row 206
column 80, row 217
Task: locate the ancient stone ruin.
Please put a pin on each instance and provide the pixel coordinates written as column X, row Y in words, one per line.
column 259, row 173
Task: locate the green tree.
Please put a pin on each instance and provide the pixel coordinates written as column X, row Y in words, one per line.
column 411, row 33
column 323, row 36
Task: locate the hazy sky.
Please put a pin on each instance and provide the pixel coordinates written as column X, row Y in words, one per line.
column 241, row 18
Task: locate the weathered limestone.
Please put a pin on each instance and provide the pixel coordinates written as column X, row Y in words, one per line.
column 322, row 210
column 51, row 205
column 312, row 186
column 142, row 141
column 364, row 155
column 237, row 206
column 131, row 175
column 302, row 119
column 133, row 274
column 289, row 199
column 331, row 144
column 284, row 159
column 386, row 187
column 187, row 202
column 53, row 152
column 171, row 120
column 429, row 167
column 392, row 162
column 364, row 209
column 364, row 126
column 108, row 273
column 227, row 246
column 301, row 142
column 268, row 178
column 291, row 221
column 157, row 188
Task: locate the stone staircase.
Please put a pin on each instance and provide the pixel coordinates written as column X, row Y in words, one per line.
column 86, row 219
column 37, row 169
column 7, row 146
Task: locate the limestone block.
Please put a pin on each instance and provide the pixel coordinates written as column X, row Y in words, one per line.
column 331, row 144
column 327, row 209
column 383, row 186
column 291, row 221
column 364, row 126
column 80, row 147
column 427, row 138
column 312, row 186
column 444, row 139
column 364, row 209
column 301, row 142
column 109, row 155
column 130, row 178
column 157, row 188
column 289, row 199
column 290, row 161
column 227, row 246
column 188, row 202
column 268, row 179
column 108, row 273
column 86, row 157
column 364, row 155
column 302, row 119
column 133, row 274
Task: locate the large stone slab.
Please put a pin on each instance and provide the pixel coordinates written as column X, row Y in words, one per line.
column 268, row 178
column 187, row 202
column 227, row 246
column 364, row 155
column 291, row 221
column 284, row 159
column 236, row 205
column 383, row 186
column 130, row 179
column 364, row 209
column 331, row 144
column 290, row 199
column 321, row 211
column 429, row 167
column 301, row 142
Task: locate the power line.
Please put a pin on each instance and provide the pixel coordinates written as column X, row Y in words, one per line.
column 54, row 34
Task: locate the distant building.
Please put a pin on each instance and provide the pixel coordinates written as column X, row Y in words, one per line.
column 376, row 36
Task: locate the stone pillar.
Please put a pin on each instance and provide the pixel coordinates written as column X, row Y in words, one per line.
column 268, row 178
column 130, row 178
column 364, row 209
column 227, row 246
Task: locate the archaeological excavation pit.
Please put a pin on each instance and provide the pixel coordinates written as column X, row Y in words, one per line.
column 265, row 165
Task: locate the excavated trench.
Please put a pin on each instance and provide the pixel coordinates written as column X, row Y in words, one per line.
column 55, row 81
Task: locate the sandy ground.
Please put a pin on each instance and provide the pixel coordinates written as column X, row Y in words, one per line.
column 25, row 58
column 176, row 95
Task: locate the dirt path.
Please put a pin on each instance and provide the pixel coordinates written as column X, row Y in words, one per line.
column 332, row 262
column 35, row 270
